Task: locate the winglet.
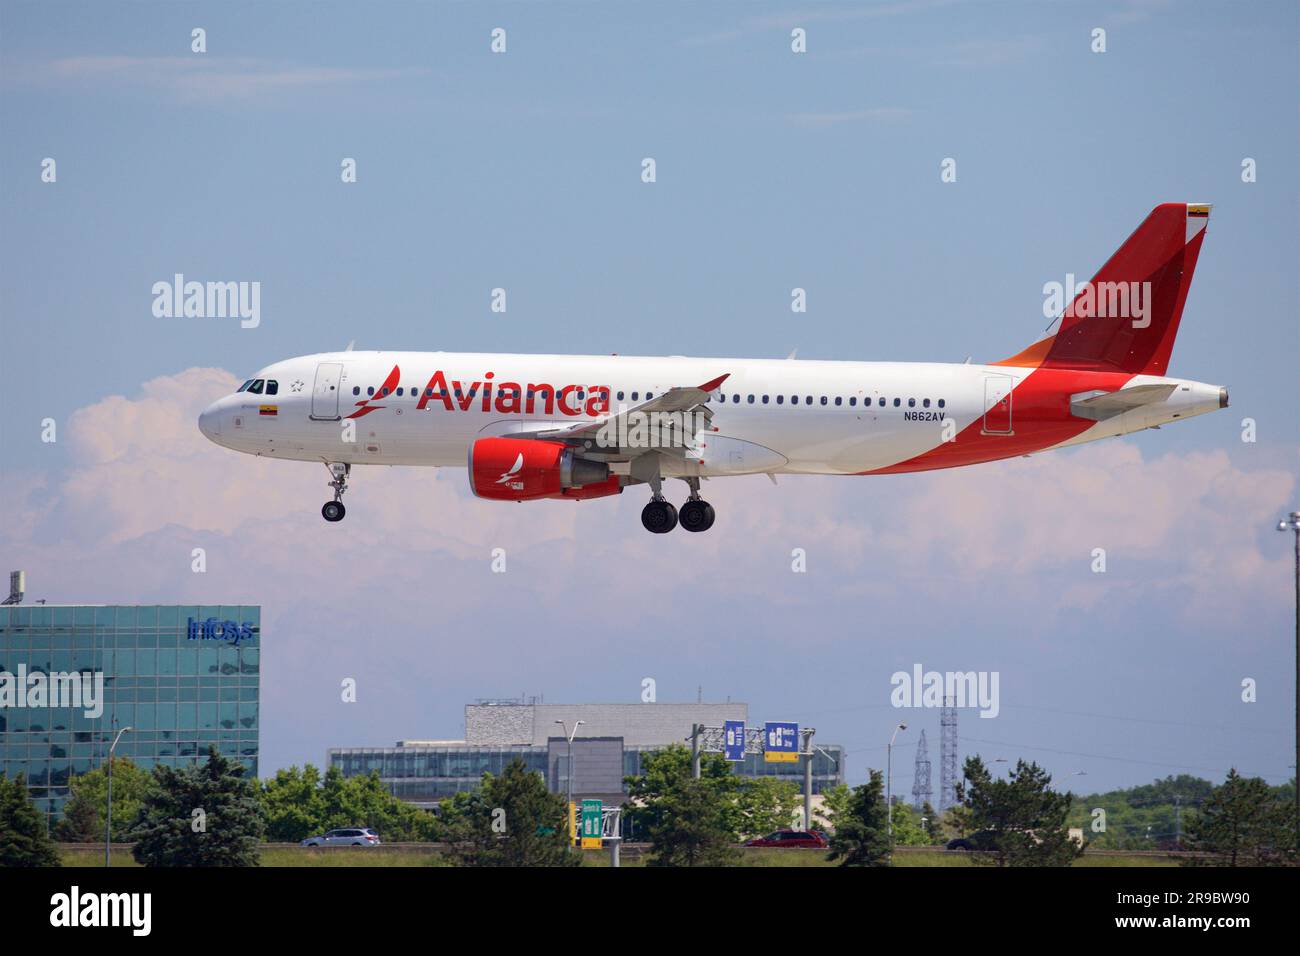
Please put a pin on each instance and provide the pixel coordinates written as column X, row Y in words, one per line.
column 710, row 386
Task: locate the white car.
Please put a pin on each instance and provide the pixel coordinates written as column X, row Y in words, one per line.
column 347, row 836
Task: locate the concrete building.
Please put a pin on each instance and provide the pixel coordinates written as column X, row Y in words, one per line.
column 610, row 744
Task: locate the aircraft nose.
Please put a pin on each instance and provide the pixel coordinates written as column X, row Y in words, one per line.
column 210, row 422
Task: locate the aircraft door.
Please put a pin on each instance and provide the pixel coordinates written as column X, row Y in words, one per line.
column 325, row 394
column 997, row 405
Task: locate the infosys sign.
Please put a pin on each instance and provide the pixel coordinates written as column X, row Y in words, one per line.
column 214, row 630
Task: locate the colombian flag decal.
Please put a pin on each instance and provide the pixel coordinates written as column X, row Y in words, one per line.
column 271, row 410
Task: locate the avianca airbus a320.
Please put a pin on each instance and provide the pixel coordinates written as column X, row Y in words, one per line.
column 586, row 426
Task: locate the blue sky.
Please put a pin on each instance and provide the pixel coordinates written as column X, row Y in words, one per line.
column 774, row 170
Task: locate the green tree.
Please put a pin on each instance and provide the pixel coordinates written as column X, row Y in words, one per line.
column 692, row 826
column 907, row 827
column 1140, row 818
column 1027, row 819
column 861, row 835
column 83, row 814
column 662, row 771
column 954, row 822
column 1242, row 823
column 298, row 803
column 511, row 820
column 23, row 840
column 835, row 802
column 931, row 825
column 292, row 805
column 199, row 815
column 766, row 804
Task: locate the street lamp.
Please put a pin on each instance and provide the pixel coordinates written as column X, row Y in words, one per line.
column 889, row 784
column 568, row 777
column 1292, row 523
column 108, row 825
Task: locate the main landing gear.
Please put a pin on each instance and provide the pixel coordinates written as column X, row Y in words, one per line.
column 660, row 517
column 334, row 510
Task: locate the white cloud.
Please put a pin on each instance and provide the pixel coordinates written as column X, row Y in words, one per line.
column 205, row 77
column 1020, row 530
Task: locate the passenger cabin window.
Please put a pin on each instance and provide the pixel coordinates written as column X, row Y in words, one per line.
column 911, row 403
column 897, row 402
column 356, row 389
column 941, row 403
column 780, row 399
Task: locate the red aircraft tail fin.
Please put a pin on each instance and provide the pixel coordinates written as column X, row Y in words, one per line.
column 1126, row 318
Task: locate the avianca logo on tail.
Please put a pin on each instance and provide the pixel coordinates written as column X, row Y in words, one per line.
column 507, row 398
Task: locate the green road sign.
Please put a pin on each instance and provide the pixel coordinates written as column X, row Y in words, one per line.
column 591, row 824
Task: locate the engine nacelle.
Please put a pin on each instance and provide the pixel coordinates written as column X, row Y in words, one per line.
column 522, row 469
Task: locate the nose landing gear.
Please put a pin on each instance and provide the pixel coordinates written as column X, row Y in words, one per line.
column 339, row 472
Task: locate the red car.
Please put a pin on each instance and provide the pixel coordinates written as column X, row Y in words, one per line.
column 802, row 839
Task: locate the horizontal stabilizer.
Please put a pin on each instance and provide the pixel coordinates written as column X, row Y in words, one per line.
column 1099, row 406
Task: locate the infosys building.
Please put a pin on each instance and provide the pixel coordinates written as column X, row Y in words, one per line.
column 181, row 677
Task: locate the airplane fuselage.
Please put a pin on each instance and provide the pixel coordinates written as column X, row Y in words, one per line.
column 769, row 416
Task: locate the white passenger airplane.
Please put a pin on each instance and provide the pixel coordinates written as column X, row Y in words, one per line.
column 577, row 426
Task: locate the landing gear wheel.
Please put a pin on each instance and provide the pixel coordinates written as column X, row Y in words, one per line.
column 696, row 515
column 659, row 516
column 339, row 472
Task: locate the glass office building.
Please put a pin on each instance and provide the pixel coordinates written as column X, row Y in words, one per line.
column 182, row 677
column 425, row 775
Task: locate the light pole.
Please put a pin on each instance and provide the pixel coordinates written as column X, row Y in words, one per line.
column 889, row 785
column 108, row 824
column 1292, row 523
column 568, row 776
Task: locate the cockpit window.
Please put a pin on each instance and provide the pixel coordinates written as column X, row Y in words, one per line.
column 244, row 387
column 256, row 387
column 272, row 386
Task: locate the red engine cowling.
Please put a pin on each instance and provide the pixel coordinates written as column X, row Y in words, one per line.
column 522, row 469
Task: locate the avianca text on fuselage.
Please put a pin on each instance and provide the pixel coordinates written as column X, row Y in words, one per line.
column 581, row 427
column 510, row 397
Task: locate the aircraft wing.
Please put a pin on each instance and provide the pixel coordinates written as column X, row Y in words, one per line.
column 604, row 435
column 1099, row 406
